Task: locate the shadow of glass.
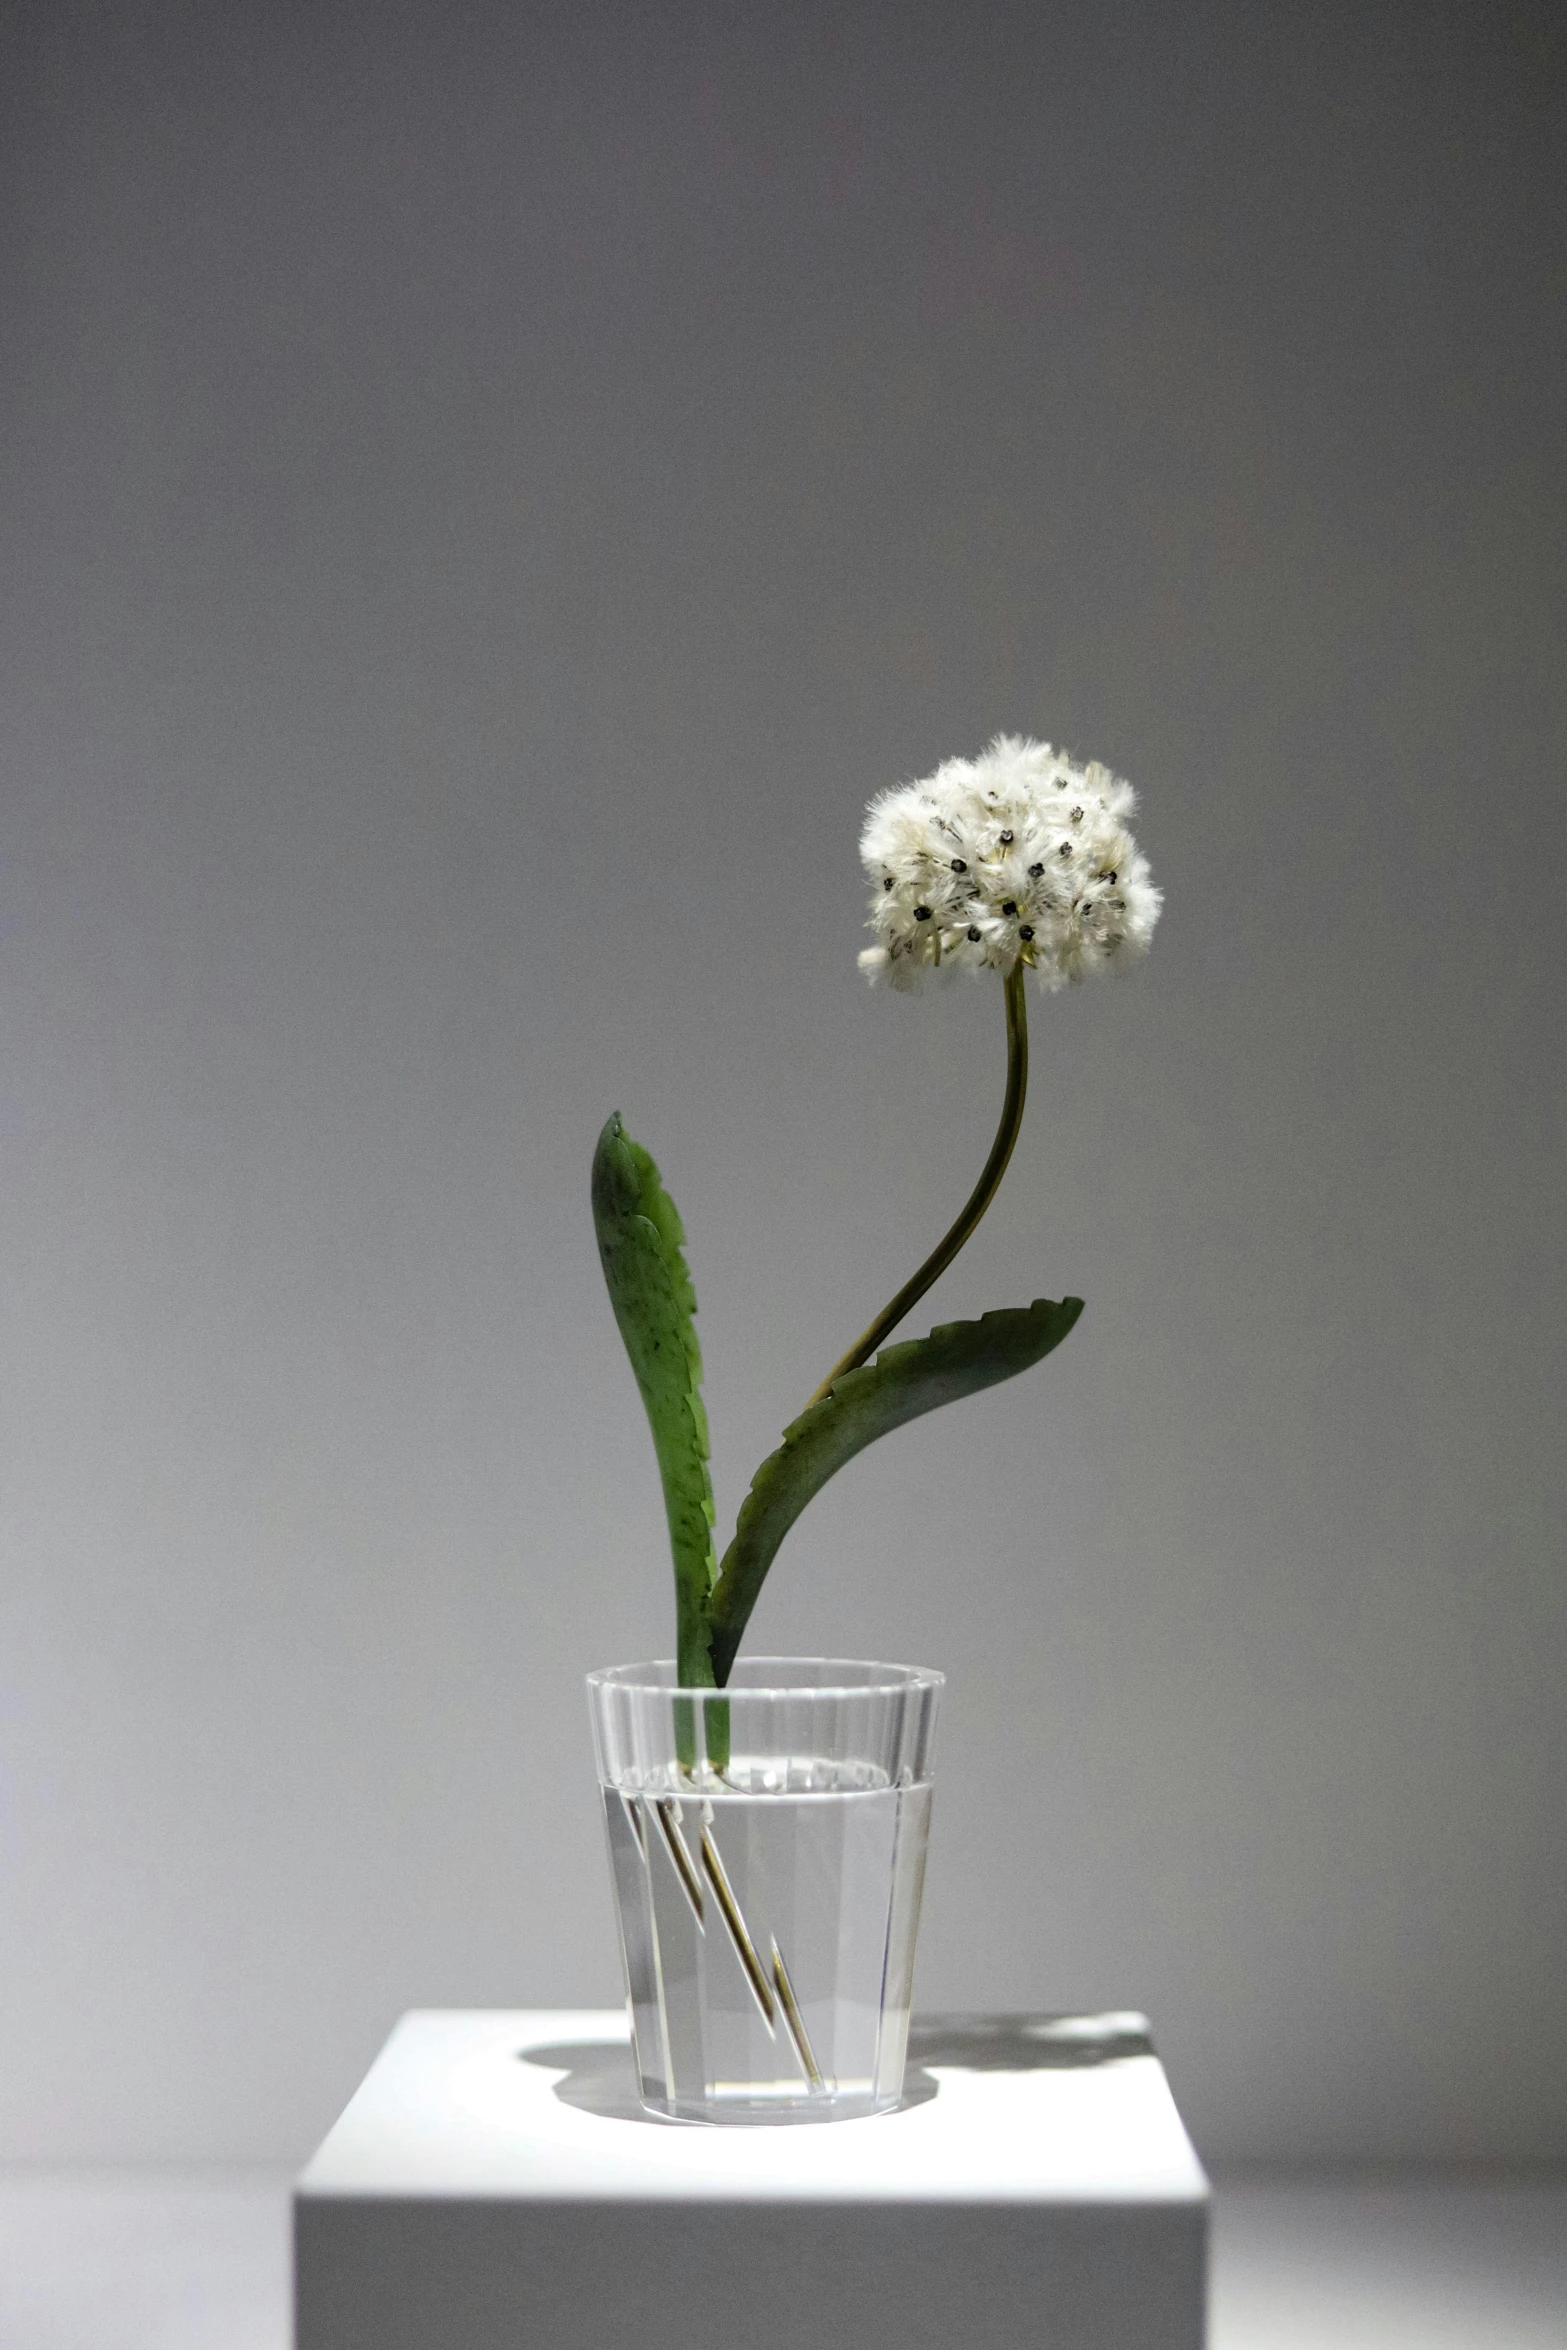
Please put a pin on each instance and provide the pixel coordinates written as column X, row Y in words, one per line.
column 1026, row 2043
column 600, row 2077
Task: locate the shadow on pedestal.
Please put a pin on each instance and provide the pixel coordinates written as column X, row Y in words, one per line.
column 600, row 2078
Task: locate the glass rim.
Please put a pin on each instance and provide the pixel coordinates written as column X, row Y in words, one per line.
column 892, row 1680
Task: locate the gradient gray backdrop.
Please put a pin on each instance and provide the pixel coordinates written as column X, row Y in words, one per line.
column 488, row 491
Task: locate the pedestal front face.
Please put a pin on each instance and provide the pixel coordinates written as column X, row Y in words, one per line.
column 495, row 2184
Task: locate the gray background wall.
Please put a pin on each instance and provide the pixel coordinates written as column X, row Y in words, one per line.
column 488, row 492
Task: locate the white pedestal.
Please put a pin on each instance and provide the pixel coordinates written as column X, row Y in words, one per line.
column 494, row 2185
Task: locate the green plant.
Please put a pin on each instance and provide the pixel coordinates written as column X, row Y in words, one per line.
column 1017, row 862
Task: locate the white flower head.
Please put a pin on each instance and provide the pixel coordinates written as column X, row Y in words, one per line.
column 1019, row 854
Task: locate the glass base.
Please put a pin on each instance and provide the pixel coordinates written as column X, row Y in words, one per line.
column 846, row 2104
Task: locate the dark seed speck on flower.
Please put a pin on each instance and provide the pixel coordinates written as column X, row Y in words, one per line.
column 1026, row 930
column 1034, row 872
column 886, row 881
column 922, row 913
column 1010, row 907
column 1066, row 848
column 1006, row 840
column 973, row 937
column 958, row 866
column 1077, row 815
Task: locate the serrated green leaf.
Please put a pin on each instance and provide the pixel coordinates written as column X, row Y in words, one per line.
column 915, row 1376
column 640, row 1239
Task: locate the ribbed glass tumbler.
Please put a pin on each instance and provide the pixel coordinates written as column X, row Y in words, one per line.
column 768, row 1851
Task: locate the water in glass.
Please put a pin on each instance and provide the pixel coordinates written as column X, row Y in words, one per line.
column 768, row 1918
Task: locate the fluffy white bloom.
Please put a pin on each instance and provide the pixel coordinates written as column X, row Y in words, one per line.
column 1018, row 853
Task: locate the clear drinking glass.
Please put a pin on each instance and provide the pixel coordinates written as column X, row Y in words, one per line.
column 767, row 1844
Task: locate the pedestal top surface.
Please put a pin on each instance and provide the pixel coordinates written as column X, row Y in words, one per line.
column 540, row 2103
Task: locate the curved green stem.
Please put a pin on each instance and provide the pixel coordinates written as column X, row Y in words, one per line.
column 983, row 1193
